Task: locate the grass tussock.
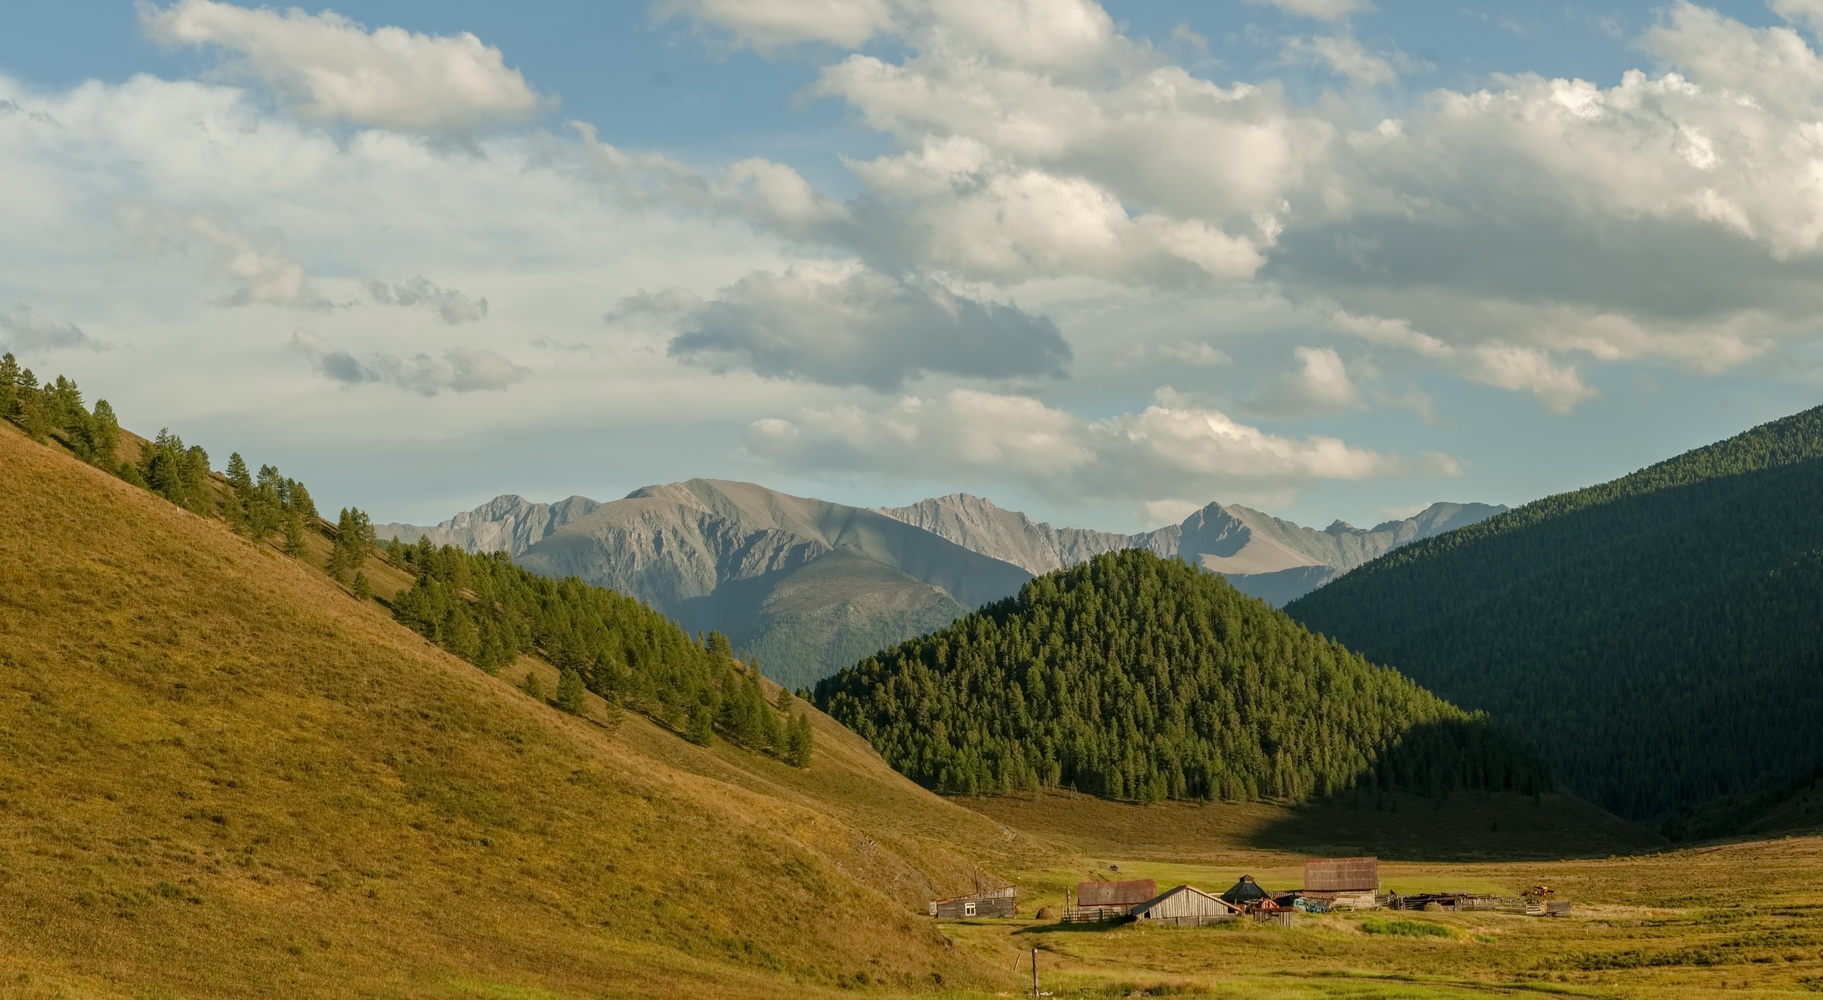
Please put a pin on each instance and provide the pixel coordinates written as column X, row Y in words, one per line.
column 1405, row 928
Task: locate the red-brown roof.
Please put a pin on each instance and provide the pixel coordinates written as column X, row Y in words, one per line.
column 1342, row 874
column 1116, row 893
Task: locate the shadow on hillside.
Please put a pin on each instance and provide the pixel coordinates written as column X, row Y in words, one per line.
column 1478, row 826
column 1454, row 790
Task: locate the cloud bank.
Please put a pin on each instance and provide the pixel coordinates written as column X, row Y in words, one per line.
column 858, row 329
column 25, row 330
column 458, row 369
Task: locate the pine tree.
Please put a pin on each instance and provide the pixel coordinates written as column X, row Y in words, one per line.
column 299, row 501
column 9, row 386
column 238, row 476
column 63, row 404
column 363, row 590
column 798, row 741
column 162, row 467
column 30, row 410
column 103, row 436
column 353, row 540
column 532, row 687
column 570, row 692
column 294, row 534
column 701, row 727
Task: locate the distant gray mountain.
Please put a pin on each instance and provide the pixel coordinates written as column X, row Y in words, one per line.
column 808, row 587
column 805, row 586
column 1007, row 535
column 506, row 523
column 1275, row 560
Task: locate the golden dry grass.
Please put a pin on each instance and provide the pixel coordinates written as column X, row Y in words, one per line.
column 1737, row 919
column 221, row 776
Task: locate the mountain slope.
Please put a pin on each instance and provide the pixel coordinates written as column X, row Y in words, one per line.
column 507, row 523
column 977, row 524
column 1272, row 559
column 224, row 776
column 1658, row 633
column 1132, row 676
column 798, row 582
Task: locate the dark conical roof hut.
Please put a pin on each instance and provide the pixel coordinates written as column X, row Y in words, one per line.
column 1245, row 891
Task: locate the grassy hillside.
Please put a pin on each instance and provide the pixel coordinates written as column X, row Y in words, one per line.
column 1136, row 677
column 1658, row 634
column 221, row 775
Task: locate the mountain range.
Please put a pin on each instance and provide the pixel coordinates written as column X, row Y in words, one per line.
column 807, row 586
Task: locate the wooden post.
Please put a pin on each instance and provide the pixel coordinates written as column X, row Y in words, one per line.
column 1034, row 972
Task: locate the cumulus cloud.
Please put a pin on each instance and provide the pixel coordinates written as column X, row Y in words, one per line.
column 450, row 305
column 25, row 330
column 331, row 68
column 256, row 260
column 1525, row 228
column 1504, row 366
column 1807, row 12
column 852, row 328
column 1171, row 450
column 770, row 24
column 459, row 369
column 1062, row 152
column 1320, row 385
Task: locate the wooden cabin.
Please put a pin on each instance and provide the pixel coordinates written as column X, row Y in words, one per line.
column 990, row 903
column 1184, row 906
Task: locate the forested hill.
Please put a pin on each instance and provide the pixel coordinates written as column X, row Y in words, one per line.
column 1132, row 676
column 1658, row 635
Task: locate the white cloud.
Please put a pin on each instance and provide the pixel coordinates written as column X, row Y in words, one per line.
column 450, row 305
column 458, row 369
column 849, row 327
column 1320, row 385
column 1557, row 386
column 1345, row 57
column 332, row 68
column 1325, row 10
column 1807, row 12
column 1195, row 353
column 770, row 24
column 25, row 330
column 1173, row 449
column 262, row 271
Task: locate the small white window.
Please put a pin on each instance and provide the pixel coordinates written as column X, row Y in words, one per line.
column 968, row 909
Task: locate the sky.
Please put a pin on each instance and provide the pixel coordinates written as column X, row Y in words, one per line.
column 1103, row 263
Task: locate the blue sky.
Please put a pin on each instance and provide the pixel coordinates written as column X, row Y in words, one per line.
column 1102, row 263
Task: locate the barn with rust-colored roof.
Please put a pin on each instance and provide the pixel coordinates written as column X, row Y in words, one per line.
column 1116, row 893
column 1110, row 900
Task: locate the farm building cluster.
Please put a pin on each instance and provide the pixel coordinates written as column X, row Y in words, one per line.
column 1329, row 884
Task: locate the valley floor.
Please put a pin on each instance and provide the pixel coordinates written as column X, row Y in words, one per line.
column 1741, row 919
